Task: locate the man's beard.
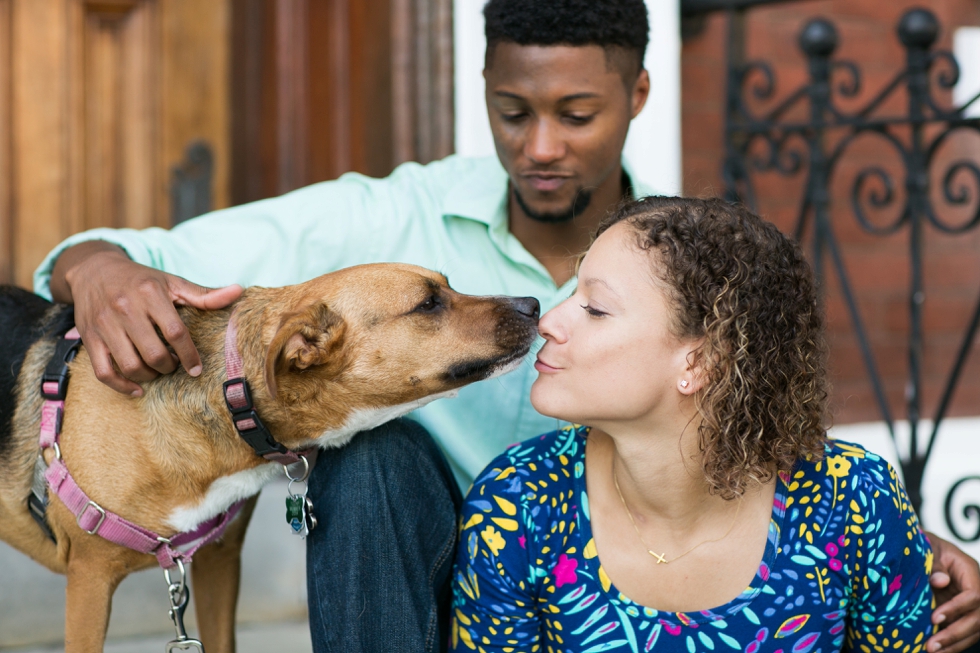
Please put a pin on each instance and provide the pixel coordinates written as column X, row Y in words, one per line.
column 579, row 204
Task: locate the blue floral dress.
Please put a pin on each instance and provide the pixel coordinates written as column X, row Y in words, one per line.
column 845, row 565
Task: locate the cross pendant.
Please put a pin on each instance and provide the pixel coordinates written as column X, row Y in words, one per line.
column 660, row 557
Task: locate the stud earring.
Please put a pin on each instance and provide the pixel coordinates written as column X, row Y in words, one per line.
column 684, row 383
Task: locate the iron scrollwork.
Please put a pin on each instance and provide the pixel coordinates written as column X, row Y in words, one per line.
column 781, row 141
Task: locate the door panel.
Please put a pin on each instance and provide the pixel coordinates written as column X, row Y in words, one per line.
column 100, row 99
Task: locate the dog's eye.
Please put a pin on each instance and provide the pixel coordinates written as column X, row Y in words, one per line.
column 430, row 304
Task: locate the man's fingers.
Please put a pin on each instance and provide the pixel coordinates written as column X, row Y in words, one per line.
column 959, row 606
column 939, row 579
column 207, row 299
column 956, row 638
column 105, row 371
column 175, row 332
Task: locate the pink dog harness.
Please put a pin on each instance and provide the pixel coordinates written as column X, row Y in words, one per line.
column 91, row 517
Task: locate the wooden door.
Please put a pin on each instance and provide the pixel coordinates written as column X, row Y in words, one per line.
column 321, row 87
column 98, row 101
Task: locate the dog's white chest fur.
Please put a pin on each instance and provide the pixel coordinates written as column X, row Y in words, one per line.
column 222, row 493
column 226, row 490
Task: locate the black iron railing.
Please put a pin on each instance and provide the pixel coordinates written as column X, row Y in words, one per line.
column 809, row 133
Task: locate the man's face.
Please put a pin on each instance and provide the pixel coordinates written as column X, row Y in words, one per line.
column 559, row 116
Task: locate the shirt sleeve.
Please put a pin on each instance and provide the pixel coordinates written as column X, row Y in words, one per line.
column 280, row 241
column 494, row 604
column 892, row 600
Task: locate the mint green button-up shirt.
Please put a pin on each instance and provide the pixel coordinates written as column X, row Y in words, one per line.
column 450, row 216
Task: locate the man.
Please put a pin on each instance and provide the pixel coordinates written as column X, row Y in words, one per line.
column 564, row 80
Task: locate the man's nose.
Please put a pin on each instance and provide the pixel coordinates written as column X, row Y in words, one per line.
column 544, row 144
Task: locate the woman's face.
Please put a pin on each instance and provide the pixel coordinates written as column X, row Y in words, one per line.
column 609, row 356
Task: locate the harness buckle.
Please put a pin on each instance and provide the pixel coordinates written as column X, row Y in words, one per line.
column 54, row 381
column 238, row 396
column 258, row 437
column 101, row 512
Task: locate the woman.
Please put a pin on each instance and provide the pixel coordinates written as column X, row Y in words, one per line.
column 703, row 508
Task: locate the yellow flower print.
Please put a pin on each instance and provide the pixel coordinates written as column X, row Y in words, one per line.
column 838, row 466
column 493, row 539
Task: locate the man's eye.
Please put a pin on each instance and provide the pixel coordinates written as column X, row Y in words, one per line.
column 593, row 312
column 513, row 117
column 576, row 119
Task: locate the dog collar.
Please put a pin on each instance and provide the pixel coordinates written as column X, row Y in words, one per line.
column 238, row 398
column 90, row 516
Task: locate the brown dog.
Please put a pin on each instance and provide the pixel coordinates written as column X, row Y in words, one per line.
column 327, row 358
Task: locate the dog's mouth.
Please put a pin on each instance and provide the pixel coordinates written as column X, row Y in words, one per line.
column 480, row 369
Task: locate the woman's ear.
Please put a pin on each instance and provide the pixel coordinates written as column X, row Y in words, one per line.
column 691, row 377
column 309, row 338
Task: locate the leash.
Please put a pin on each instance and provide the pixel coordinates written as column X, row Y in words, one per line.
column 238, row 397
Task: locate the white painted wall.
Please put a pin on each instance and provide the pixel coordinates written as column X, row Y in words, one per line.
column 966, row 48
column 653, row 146
column 956, row 455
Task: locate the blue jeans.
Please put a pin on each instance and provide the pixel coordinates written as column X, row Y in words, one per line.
column 379, row 563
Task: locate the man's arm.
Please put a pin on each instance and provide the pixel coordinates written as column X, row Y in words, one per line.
column 956, row 583
column 117, row 305
column 125, row 286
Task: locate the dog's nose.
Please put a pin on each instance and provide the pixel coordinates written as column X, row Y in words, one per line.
column 528, row 306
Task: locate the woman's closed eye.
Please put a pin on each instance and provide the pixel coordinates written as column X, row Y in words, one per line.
column 593, row 312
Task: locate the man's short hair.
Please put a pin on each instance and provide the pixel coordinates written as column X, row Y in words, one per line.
column 612, row 24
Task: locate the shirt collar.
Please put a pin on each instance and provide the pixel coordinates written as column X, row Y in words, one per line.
column 481, row 193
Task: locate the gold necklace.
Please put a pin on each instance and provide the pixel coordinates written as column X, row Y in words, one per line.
column 662, row 557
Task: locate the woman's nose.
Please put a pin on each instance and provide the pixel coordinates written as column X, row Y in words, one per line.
column 550, row 325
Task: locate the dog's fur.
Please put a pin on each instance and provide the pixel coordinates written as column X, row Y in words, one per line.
column 327, row 358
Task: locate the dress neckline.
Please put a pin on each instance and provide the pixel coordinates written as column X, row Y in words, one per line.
column 738, row 604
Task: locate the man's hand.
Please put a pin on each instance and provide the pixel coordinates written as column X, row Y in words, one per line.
column 955, row 581
column 118, row 304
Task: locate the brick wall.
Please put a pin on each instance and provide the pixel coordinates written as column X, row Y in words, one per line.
column 878, row 266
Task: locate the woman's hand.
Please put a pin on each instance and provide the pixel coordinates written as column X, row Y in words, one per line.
column 955, row 581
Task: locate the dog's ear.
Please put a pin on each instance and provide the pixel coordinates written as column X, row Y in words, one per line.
column 308, row 338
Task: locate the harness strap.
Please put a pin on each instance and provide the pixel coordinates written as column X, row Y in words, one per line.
column 96, row 520
column 91, row 517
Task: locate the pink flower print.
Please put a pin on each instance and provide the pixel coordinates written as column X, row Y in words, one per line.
column 895, row 585
column 832, row 551
column 522, row 541
column 564, row 571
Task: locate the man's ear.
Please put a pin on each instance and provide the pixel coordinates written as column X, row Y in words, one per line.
column 639, row 93
column 311, row 337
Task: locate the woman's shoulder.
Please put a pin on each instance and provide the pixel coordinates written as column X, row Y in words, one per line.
column 555, row 455
column 848, row 462
column 851, row 483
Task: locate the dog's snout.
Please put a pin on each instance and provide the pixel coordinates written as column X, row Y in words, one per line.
column 528, row 306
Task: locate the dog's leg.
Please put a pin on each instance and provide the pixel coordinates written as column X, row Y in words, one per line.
column 215, row 577
column 93, row 576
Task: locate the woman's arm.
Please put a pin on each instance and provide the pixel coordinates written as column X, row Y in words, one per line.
column 890, row 564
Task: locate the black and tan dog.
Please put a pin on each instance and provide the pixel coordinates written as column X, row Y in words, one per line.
column 327, row 358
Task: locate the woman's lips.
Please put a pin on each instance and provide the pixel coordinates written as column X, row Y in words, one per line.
column 541, row 366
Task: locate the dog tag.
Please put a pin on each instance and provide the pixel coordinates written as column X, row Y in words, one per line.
column 299, row 514
column 296, row 513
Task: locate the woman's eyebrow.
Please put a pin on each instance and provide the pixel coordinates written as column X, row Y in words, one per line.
column 595, row 281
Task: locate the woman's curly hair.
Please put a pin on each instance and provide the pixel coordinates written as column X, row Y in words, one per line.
column 746, row 291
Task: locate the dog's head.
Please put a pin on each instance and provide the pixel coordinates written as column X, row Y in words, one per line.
column 357, row 347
